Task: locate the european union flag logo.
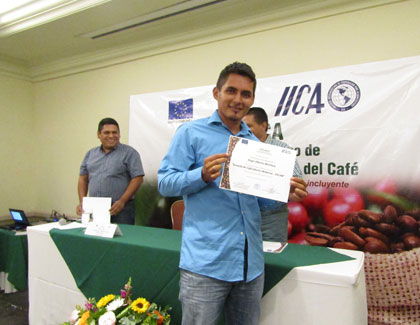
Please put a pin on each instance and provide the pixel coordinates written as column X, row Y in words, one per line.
column 181, row 109
column 244, row 141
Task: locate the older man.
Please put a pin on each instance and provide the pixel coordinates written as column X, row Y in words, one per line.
column 111, row 170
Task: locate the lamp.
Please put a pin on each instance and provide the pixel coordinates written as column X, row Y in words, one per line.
column 26, row 14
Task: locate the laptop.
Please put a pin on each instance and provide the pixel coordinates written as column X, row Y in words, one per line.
column 20, row 219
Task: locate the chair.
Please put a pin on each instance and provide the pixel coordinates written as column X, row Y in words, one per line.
column 177, row 213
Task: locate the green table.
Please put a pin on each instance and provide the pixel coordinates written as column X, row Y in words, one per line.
column 150, row 256
column 14, row 258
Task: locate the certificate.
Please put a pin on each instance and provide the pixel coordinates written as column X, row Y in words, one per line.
column 258, row 169
column 99, row 208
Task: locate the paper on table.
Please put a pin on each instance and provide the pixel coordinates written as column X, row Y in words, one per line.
column 273, row 247
column 99, row 208
column 103, row 230
column 259, row 169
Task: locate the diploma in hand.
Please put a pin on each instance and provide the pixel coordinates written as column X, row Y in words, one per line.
column 258, row 169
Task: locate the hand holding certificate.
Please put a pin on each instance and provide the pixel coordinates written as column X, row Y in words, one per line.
column 259, row 169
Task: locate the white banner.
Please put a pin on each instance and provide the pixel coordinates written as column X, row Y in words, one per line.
column 351, row 126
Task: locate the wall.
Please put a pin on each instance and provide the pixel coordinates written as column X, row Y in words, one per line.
column 18, row 146
column 67, row 109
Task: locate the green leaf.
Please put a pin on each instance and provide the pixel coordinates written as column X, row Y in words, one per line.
column 397, row 200
column 150, row 320
column 127, row 321
column 151, row 308
column 124, row 312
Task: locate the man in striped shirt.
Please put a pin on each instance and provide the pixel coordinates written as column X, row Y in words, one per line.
column 274, row 215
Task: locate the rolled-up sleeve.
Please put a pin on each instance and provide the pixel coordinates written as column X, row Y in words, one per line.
column 134, row 164
column 83, row 166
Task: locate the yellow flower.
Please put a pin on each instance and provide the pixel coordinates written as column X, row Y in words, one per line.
column 140, row 305
column 104, row 301
column 84, row 318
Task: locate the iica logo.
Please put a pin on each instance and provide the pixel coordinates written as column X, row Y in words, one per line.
column 304, row 99
column 343, row 95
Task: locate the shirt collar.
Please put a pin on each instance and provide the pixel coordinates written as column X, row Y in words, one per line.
column 215, row 119
column 113, row 149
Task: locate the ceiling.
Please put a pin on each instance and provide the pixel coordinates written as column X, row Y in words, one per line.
column 73, row 35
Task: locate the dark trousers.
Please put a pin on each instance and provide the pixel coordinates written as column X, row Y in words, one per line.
column 127, row 215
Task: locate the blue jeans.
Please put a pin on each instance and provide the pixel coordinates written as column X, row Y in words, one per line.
column 203, row 299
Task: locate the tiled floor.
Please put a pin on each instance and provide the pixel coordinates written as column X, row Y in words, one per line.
column 14, row 308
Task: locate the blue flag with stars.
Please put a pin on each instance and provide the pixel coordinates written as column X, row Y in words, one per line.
column 181, row 109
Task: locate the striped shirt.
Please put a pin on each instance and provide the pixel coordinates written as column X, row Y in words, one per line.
column 274, row 214
column 297, row 172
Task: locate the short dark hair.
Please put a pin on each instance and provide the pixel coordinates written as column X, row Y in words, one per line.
column 259, row 114
column 242, row 69
column 107, row 120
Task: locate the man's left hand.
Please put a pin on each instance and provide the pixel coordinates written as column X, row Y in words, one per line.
column 116, row 207
column 297, row 189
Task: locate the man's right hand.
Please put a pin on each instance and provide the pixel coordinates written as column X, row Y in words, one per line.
column 212, row 166
column 79, row 210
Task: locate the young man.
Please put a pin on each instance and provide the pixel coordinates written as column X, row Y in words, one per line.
column 274, row 217
column 111, row 170
column 222, row 263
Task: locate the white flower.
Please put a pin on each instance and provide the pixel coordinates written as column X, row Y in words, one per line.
column 116, row 303
column 74, row 317
column 107, row 319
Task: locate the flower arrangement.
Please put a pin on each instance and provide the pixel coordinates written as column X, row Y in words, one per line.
column 119, row 309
